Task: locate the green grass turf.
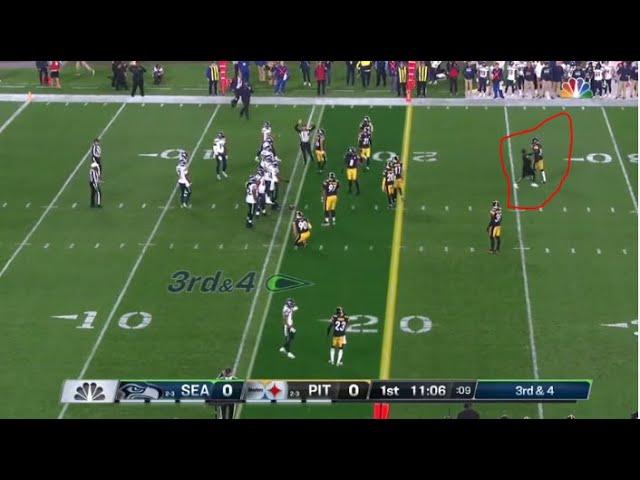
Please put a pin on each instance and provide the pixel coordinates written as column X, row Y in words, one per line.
column 475, row 301
column 196, row 334
column 7, row 109
column 37, row 169
column 355, row 278
column 187, row 78
column 573, row 294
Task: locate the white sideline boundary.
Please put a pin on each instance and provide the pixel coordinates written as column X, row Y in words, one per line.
column 330, row 101
column 525, row 277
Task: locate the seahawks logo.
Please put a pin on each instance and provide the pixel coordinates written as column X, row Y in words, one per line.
column 135, row 391
column 89, row 392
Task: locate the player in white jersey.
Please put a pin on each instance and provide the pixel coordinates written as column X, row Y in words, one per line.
column 266, row 131
column 520, row 76
column 598, row 75
column 483, row 78
column 184, row 182
column 273, row 172
column 262, row 192
column 251, row 198
column 289, row 329
column 607, row 70
column 220, row 154
column 511, row 78
column 537, row 66
column 266, row 147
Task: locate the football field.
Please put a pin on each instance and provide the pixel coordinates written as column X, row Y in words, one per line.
column 144, row 289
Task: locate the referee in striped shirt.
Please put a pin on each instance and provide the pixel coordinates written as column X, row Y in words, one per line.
column 304, row 131
column 96, row 153
column 94, row 184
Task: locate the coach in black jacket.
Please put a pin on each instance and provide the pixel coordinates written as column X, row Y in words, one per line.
column 137, row 76
column 245, row 92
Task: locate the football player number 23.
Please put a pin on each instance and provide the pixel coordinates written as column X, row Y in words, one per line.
column 422, row 157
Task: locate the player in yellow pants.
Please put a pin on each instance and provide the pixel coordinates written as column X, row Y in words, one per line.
column 301, row 230
column 330, row 189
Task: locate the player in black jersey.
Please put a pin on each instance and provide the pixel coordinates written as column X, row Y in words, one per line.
column 389, row 184
column 352, row 162
column 495, row 226
column 527, row 170
column 538, row 158
column 301, row 230
column 319, row 145
column 339, row 323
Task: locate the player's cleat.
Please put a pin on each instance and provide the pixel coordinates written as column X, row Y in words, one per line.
column 224, row 174
column 331, row 363
column 257, row 213
column 339, row 364
column 515, row 185
column 282, row 350
column 325, row 224
column 219, row 177
column 291, row 355
column 535, row 185
column 334, row 221
column 264, row 211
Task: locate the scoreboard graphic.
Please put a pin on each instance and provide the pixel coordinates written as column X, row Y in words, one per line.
column 323, row 391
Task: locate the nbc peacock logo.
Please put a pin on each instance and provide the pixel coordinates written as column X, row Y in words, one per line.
column 89, row 392
column 576, row 88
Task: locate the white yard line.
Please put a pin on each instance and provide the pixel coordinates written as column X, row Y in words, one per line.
column 624, row 170
column 133, row 271
column 267, row 258
column 57, row 196
column 525, row 279
column 265, row 312
column 13, row 116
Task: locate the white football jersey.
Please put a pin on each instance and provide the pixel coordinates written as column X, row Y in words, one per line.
column 182, row 172
column 608, row 72
column 287, row 314
column 597, row 74
column 251, row 189
column 266, row 131
column 262, row 185
column 219, row 146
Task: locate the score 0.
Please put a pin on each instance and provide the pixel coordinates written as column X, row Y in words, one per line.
column 353, row 391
